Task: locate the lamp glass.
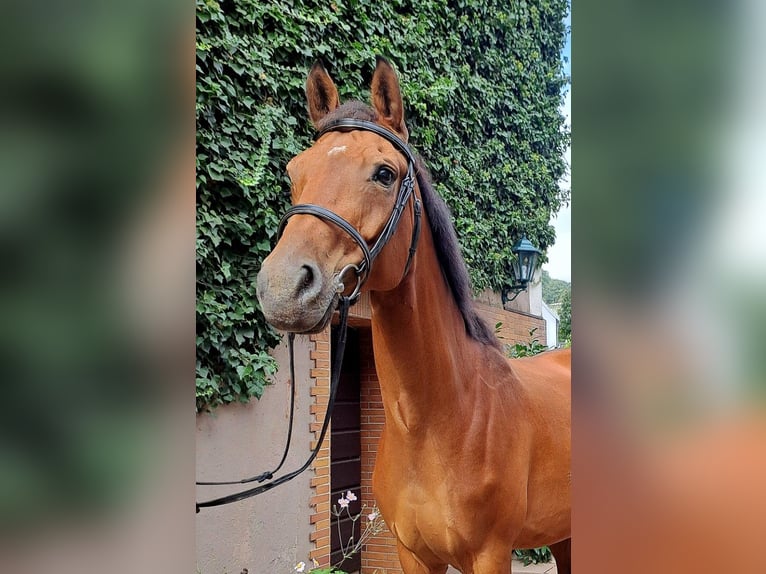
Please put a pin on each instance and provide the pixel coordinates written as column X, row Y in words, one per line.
column 527, row 266
column 525, row 260
column 516, row 269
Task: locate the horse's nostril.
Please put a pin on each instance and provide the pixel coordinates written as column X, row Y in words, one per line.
column 308, row 276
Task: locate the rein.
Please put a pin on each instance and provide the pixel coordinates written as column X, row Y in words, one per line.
column 343, row 306
column 362, row 271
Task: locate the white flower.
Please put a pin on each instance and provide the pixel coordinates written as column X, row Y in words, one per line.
column 350, row 496
column 343, row 502
column 315, row 562
column 373, row 515
column 300, row 566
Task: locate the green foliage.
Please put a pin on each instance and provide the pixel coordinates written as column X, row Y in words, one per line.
column 482, row 83
column 554, row 289
column 534, row 555
column 534, row 347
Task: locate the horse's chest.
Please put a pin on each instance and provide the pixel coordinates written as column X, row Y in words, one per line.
column 442, row 503
column 423, row 511
column 425, row 526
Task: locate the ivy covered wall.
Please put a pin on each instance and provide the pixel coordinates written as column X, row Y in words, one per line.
column 482, row 82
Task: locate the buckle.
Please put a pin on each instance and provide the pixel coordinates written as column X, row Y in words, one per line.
column 340, row 287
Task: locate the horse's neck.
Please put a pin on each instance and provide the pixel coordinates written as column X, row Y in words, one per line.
column 423, row 355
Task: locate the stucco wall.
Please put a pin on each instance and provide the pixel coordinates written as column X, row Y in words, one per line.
column 269, row 532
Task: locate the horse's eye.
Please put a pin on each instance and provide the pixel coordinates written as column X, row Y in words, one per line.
column 384, row 176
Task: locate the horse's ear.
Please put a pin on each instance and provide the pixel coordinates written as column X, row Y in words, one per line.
column 387, row 97
column 321, row 93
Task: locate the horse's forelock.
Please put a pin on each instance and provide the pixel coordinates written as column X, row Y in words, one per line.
column 350, row 110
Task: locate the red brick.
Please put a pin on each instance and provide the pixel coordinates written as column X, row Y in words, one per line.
column 318, row 410
column 317, row 500
column 320, row 542
column 322, row 336
column 321, row 555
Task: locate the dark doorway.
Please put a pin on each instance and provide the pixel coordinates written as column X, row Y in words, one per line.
column 345, row 457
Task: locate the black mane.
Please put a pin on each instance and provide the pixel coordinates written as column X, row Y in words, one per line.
column 445, row 239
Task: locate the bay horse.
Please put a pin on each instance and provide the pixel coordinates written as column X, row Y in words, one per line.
column 474, row 459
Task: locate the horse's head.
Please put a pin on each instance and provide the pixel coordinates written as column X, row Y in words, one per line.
column 348, row 191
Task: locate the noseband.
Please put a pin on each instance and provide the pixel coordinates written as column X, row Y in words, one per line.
column 406, row 190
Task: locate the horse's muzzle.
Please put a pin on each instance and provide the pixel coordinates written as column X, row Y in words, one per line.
column 295, row 297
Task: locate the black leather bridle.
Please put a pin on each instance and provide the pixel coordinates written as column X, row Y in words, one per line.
column 362, row 271
column 406, row 191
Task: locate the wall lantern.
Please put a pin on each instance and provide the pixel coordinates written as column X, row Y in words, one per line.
column 523, row 268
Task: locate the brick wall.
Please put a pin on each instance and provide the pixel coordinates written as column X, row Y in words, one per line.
column 320, row 483
column 379, row 554
column 515, row 324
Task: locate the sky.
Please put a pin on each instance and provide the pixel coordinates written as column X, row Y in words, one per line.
column 559, row 264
